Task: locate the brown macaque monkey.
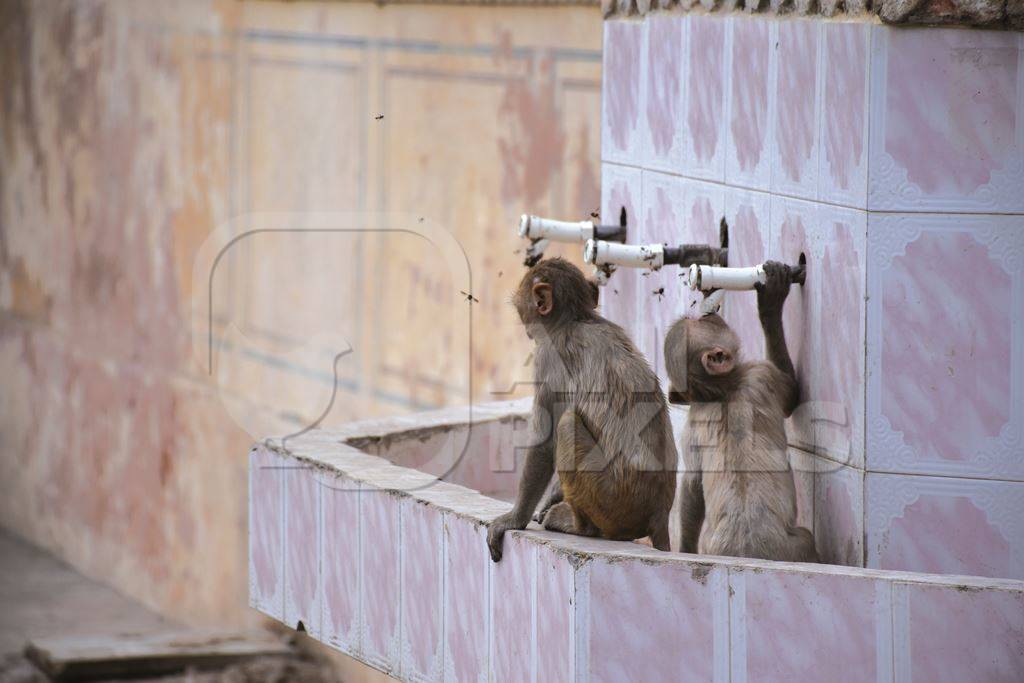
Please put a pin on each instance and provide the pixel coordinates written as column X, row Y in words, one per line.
column 737, row 481
column 599, row 416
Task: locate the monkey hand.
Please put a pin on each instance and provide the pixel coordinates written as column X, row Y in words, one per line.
column 772, row 294
column 496, row 533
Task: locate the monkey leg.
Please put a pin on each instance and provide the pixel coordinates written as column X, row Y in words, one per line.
column 659, row 535
column 554, row 497
column 607, row 502
column 563, row 517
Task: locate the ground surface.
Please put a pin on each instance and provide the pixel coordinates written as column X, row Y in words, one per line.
column 43, row 597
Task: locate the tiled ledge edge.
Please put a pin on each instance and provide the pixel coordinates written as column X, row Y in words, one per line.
column 438, row 608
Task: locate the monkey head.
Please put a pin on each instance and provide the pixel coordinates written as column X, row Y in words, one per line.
column 701, row 356
column 554, row 292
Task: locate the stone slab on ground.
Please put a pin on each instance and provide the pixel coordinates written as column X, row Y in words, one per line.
column 41, row 596
column 75, row 658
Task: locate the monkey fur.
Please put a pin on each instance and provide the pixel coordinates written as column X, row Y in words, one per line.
column 738, row 484
column 599, row 416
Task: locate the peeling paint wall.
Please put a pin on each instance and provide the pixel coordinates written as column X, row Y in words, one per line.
column 133, row 132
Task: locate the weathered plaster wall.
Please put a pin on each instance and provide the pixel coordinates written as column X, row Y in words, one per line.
column 132, row 133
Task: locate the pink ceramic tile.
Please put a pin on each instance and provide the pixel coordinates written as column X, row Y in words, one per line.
column 837, row 264
column 662, row 292
column 946, row 127
column 705, row 207
column 622, row 88
column 621, row 190
column 964, row 635
column 431, row 453
column 340, row 562
column 555, row 634
column 661, row 126
column 665, row 611
column 945, row 525
column 804, row 466
column 422, row 591
column 266, row 532
column 797, row 100
column 844, row 113
column 839, row 513
column 481, row 465
column 748, row 214
column 793, row 233
column 748, row 152
column 302, row 549
column 467, row 600
column 945, row 345
column 514, row 600
column 808, row 626
column 380, row 578
column 824, row 323
column 706, row 86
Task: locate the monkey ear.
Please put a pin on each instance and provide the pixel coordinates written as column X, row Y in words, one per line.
column 543, row 299
column 717, row 361
column 595, row 289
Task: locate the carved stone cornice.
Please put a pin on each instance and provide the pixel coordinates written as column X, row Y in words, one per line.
column 997, row 14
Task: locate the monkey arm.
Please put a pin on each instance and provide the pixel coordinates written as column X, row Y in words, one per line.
column 770, row 299
column 537, row 471
column 778, row 354
column 540, row 465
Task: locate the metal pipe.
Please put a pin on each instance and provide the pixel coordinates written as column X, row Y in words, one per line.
column 601, row 253
column 705, row 277
column 537, row 228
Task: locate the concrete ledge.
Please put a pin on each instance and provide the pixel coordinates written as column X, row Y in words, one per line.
column 390, row 565
column 436, row 443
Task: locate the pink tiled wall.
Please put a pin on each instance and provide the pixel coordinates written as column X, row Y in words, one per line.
column 266, row 533
column 893, row 160
column 986, row 629
column 340, row 566
column 621, row 189
column 807, row 626
column 484, row 456
column 410, row 589
column 302, row 585
column 668, row 612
